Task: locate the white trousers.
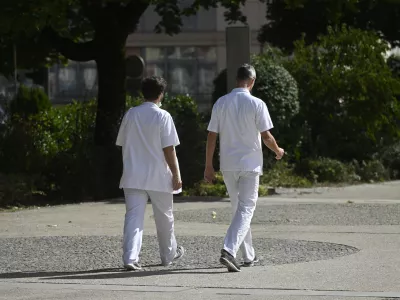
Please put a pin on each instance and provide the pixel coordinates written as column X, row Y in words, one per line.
column 243, row 191
column 136, row 201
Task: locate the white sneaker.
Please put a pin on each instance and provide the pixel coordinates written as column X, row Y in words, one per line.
column 132, row 267
column 180, row 252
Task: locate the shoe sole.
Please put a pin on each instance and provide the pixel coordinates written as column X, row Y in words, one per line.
column 175, row 259
column 231, row 267
column 132, row 268
column 249, row 265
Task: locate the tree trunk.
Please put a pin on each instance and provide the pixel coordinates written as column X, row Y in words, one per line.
column 110, row 109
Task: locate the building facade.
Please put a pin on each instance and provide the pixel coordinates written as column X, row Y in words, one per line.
column 189, row 61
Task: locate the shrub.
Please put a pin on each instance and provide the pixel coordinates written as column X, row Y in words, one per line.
column 204, row 189
column 326, row 170
column 391, row 160
column 15, row 189
column 347, row 94
column 217, row 189
column 282, row 175
column 394, row 64
column 29, row 101
column 220, row 85
column 72, row 166
column 54, row 146
column 191, row 129
column 371, row 171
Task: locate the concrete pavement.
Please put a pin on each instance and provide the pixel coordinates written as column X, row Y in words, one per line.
column 370, row 273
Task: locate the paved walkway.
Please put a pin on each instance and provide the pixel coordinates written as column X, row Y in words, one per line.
column 314, row 244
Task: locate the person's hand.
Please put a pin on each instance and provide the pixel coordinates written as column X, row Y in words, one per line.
column 209, row 174
column 176, row 182
column 279, row 153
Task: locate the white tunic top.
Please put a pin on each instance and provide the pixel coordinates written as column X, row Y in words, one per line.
column 145, row 130
column 239, row 118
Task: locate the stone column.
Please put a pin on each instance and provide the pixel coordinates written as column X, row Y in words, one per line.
column 237, row 51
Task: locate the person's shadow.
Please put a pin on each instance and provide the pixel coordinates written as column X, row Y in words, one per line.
column 111, row 273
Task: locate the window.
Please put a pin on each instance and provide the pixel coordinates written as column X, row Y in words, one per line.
column 77, row 80
column 188, row 70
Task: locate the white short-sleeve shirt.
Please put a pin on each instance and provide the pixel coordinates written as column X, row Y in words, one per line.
column 239, row 118
column 144, row 132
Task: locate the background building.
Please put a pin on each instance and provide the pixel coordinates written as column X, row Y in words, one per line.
column 189, row 61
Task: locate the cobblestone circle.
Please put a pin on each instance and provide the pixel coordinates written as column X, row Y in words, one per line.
column 72, row 254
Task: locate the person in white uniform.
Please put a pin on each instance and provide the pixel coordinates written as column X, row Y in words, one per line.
column 148, row 139
column 241, row 120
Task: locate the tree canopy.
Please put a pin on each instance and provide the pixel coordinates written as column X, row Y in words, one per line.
column 289, row 19
column 347, row 93
column 84, row 30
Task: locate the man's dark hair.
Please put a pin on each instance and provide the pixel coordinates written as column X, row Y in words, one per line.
column 153, row 87
column 246, row 72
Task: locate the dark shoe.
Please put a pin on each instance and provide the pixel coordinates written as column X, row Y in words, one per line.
column 180, row 252
column 133, row 267
column 251, row 264
column 229, row 261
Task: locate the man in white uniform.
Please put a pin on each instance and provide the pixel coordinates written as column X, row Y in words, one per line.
column 150, row 170
column 241, row 120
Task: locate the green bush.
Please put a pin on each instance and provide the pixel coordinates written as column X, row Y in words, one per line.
column 394, row 64
column 220, row 85
column 371, row 171
column 15, row 189
column 282, row 175
column 29, row 101
column 347, row 94
column 217, row 189
column 72, row 165
column 191, row 129
column 326, row 170
column 391, row 160
column 54, row 146
column 204, row 189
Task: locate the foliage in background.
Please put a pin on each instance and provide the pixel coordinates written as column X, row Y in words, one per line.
column 391, row 160
column 216, row 189
column 394, row 64
column 28, row 102
column 278, row 89
column 326, row 170
column 281, row 174
column 347, row 94
column 191, row 128
column 289, row 19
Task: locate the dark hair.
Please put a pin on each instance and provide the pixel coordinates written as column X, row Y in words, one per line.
column 246, row 72
column 153, row 87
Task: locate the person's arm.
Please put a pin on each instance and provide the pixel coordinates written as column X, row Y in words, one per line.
column 264, row 125
column 169, row 140
column 213, row 130
column 270, row 142
column 122, row 131
column 173, row 164
column 209, row 173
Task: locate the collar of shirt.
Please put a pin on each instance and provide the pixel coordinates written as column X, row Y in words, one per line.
column 240, row 90
column 149, row 103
